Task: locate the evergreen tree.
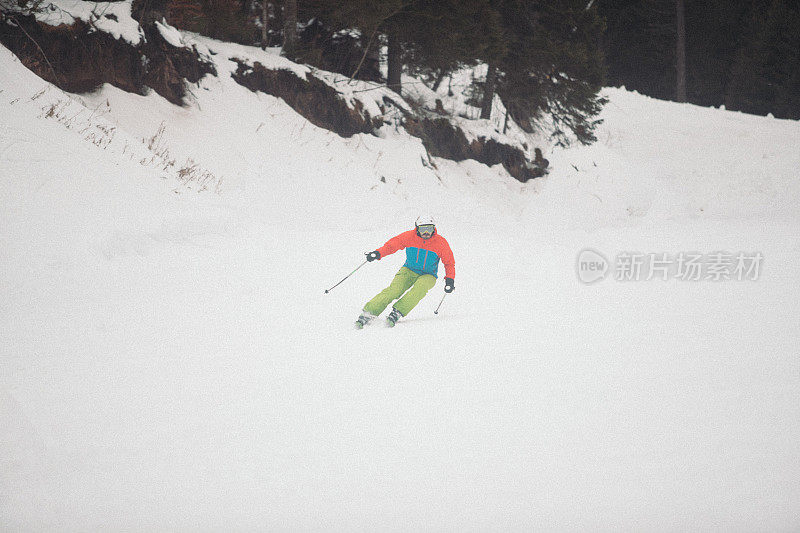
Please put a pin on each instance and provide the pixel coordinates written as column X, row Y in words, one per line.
column 743, row 53
column 639, row 45
column 554, row 65
column 424, row 37
column 765, row 77
column 440, row 36
column 546, row 55
column 375, row 20
column 713, row 30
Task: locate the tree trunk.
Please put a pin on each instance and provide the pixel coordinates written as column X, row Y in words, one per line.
column 680, row 58
column 264, row 24
column 394, row 64
column 488, row 92
column 439, row 79
column 290, row 29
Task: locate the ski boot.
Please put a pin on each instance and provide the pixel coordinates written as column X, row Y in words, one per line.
column 393, row 317
column 364, row 319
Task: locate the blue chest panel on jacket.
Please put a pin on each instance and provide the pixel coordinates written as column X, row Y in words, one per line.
column 422, row 261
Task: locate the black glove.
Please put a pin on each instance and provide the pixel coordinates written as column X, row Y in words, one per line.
column 372, row 256
column 449, row 285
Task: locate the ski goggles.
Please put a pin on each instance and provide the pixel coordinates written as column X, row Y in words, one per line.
column 426, row 229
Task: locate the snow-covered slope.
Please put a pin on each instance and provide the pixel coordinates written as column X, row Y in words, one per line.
column 168, row 359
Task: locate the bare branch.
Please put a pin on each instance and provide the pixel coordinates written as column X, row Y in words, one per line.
column 28, row 35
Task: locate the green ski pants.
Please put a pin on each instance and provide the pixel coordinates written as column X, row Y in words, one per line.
column 404, row 280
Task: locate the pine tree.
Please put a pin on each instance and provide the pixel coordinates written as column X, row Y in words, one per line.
column 765, row 77
column 373, row 19
column 424, row 37
column 713, row 30
column 639, row 45
column 546, row 55
column 553, row 67
column 441, row 36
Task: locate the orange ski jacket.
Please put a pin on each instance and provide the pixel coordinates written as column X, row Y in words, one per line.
column 422, row 255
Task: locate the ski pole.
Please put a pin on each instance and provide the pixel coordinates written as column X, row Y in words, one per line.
column 440, row 304
column 347, row 276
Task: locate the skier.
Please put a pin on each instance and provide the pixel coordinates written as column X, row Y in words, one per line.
column 424, row 247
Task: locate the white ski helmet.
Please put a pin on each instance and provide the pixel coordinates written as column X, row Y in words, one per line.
column 424, row 220
column 426, row 226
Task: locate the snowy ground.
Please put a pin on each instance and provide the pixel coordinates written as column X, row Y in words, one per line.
column 169, row 361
